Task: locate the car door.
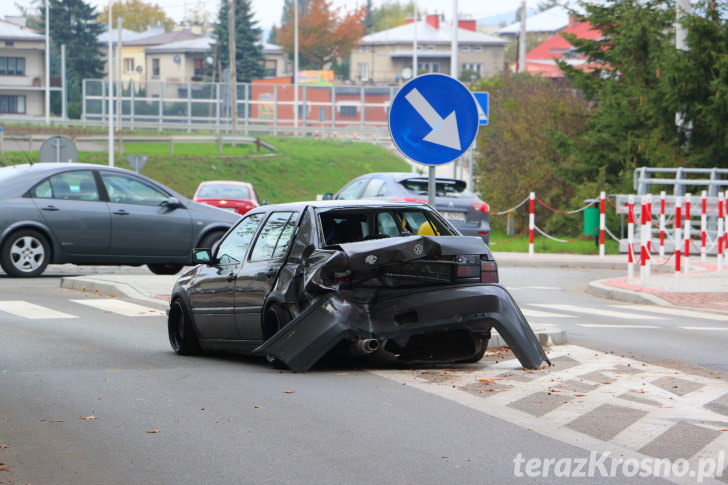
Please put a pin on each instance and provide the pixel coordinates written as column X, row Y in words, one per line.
column 71, row 206
column 141, row 222
column 212, row 296
column 258, row 274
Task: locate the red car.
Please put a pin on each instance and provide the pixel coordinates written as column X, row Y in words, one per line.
column 239, row 197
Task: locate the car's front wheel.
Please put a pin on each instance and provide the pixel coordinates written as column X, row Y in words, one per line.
column 164, row 269
column 25, row 254
column 181, row 334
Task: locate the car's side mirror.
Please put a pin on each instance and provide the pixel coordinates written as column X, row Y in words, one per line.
column 201, row 256
column 327, row 196
column 172, row 203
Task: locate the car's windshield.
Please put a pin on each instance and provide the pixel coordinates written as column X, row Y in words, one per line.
column 340, row 226
column 224, row 191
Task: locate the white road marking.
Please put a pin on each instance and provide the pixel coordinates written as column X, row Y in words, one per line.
column 539, row 314
column 121, row 307
column 718, row 317
column 31, row 311
column 533, row 288
column 614, row 325
column 596, row 311
column 719, row 329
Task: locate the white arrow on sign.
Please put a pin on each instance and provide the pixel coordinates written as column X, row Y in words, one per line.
column 444, row 132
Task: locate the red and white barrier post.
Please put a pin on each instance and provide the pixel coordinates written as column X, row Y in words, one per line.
column 531, row 222
column 678, row 235
column 721, row 230
column 703, row 225
column 687, row 234
column 662, row 224
column 644, row 238
column 630, row 238
column 602, row 223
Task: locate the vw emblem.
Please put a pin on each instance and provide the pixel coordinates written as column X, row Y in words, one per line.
column 418, row 249
column 371, row 259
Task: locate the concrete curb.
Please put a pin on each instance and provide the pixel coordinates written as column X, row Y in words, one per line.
column 598, row 288
column 84, row 284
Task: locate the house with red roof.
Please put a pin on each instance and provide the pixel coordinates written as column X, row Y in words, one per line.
column 541, row 60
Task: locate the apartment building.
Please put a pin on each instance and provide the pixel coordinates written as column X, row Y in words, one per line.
column 22, row 66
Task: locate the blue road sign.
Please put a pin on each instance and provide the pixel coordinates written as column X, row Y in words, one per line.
column 482, row 98
column 433, row 119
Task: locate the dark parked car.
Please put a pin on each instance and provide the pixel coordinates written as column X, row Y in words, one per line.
column 294, row 281
column 460, row 206
column 230, row 195
column 93, row 214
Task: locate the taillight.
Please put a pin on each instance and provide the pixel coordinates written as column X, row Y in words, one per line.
column 409, row 199
column 481, row 207
column 488, row 272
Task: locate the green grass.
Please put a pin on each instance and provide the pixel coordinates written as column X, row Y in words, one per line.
column 299, row 169
column 501, row 242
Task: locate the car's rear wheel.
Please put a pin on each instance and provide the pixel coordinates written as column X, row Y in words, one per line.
column 25, row 254
column 275, row 318
column 181, row 334
column 164, row 269
column 211, row 239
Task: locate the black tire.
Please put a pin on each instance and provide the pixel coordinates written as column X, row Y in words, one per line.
column 25, row 254
column 210, row 239
column 275, row 318
column 182, row 336
column 165, row 268
column 483, row 343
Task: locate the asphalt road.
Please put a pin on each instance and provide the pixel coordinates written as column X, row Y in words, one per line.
column 94, row 394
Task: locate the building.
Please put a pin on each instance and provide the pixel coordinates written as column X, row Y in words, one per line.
column 386, row 57
column 22, row 66
column 542, row 59
column 132, row 64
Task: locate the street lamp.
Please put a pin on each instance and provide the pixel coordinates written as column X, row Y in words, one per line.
column 111, row 94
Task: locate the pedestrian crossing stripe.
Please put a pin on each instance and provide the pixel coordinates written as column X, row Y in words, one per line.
column 615, row 325
column 718, row 317
column 31, row 311
column 597, row 311
column 529, row 313
column 120, row 307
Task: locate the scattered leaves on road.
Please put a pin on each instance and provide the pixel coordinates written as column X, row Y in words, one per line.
column 290, row 391
column 153, row 431
column 88, row 417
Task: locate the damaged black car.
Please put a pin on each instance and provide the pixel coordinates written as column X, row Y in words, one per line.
column 292, row 282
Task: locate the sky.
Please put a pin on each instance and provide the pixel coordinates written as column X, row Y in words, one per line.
column 268, row 12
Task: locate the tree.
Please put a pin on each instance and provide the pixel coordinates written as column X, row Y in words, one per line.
column 391, row 14
column 137, row 15
column 323, row 35
column 696, row 86
column 249, row 57
column 198, row 16
column 632, row 125
column 530, row 118
column 73, row 24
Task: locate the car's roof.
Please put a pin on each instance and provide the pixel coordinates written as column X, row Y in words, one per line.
column 399, row 176
column 224, row 182
column 335, row 204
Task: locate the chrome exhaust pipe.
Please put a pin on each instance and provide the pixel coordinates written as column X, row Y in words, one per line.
column 365, row 346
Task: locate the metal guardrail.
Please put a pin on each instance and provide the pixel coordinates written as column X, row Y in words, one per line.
column 681, row 181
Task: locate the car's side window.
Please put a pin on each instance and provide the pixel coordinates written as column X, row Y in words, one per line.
column 129, row 190
column 233, row 248
column 386, row 224
column 272, row 243
column 374, row 188
column 351, row 191
column 75, row 185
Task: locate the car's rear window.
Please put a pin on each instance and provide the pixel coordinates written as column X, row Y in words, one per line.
column 224, row 192
column 340, row 226
column 443, row 188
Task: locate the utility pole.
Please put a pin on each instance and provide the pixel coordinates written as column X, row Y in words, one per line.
column 233, row 69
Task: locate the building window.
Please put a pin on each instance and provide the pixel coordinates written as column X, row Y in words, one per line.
column 347, row 111
column 12, row 66
column 362, row 70
column 9, row 43
column 12, row 104
column 199, row 64
column 430, row 47
column 155, row 67
column 428, row 67
column 465, row 48
column 128, row 64
column 271, row 67
column 473, row 66
column 478, row 48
